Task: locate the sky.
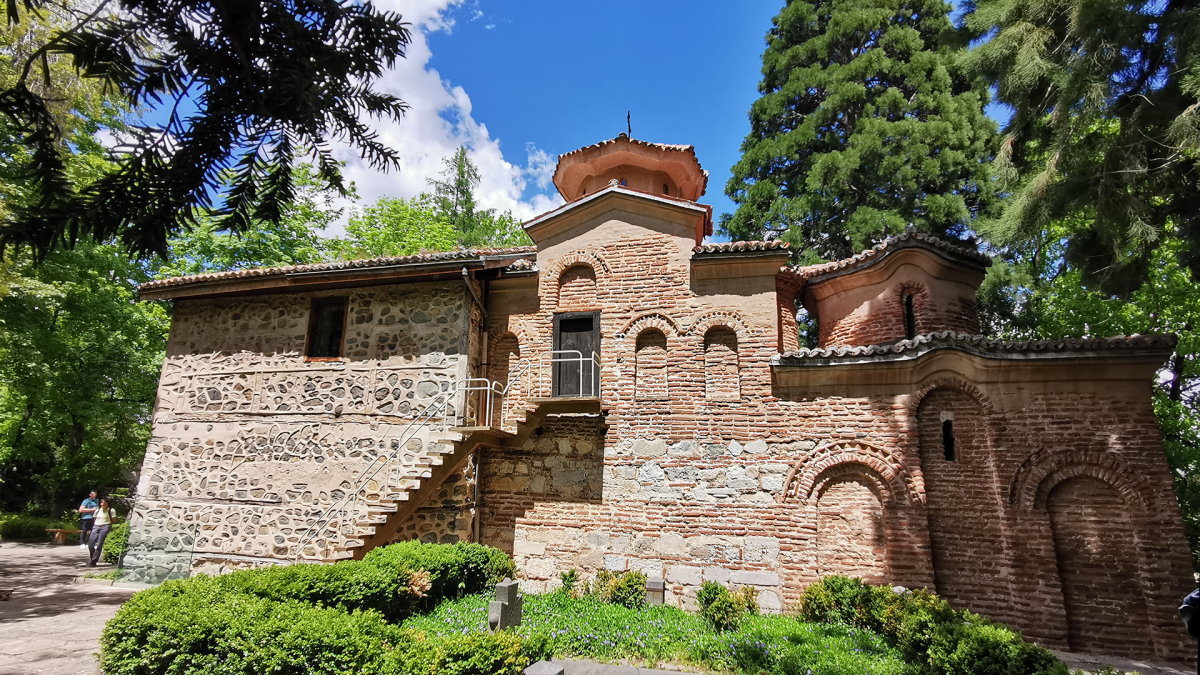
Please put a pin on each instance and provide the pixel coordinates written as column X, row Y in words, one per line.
column 521, row 82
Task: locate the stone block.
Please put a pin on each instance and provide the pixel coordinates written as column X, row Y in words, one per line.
column 754, row 578
column 735, row 448
column 771, row 482
column 717, row 574
column 545, row 668
column 521, row 547
column 505, row 610
column 650, row 567
column 683, row 448
column 614, row 563
column 756, row 447
column 769, row 602
column 649, row 448
column 671, row 544
column 651, row 473
column 684, row 574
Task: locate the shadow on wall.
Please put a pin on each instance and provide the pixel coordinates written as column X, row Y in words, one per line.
column 562, row 463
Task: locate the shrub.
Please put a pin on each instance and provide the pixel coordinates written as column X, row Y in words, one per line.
column 569, row 579
column 470, row 654
column 347, row 585
column 724, row 610
column 115, row 544
column 454, row 569
column 24, row 527
column 197, row 627
column 927, row 630
column 627, row 588
column 709, row 591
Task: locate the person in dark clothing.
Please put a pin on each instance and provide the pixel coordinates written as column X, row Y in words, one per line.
column 87, row 518
column 105, row 515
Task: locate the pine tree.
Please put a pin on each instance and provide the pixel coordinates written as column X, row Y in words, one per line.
column 864, row 127
column 1105, row 128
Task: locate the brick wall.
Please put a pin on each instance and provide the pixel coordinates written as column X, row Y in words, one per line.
column 736, row 478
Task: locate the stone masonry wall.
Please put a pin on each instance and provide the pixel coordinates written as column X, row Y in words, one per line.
column 250, row 443
column 775, row 487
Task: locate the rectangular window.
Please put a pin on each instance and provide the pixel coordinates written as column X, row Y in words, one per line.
column 948, row 440
column 325, row 328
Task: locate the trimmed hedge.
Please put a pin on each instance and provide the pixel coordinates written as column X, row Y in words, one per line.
column 935, row 637
column 21, row 527
column 320, row 619
column 115, row 544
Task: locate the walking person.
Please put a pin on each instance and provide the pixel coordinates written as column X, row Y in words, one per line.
column 105, row 515
column 87, row 516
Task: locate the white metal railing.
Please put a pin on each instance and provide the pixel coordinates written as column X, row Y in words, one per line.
column 480, row 399
column 343, row 513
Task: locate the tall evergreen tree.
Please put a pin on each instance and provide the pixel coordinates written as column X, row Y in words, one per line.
column 865, row 126
column 1105, row 127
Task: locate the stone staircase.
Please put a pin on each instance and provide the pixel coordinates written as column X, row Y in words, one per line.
column 387, row 512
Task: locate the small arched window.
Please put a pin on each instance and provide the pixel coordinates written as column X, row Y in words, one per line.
column 650, row 383
column 948, row 440
column 577, row 288
column 721, row 378
column 910, row 317
column 666, row 190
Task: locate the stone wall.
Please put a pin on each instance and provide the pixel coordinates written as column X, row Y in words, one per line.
column 251, row 442
column 738, row 476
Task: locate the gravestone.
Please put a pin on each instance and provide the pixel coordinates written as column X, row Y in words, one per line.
column 505, row 610
column 655, row 591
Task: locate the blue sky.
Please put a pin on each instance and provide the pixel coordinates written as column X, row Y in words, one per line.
column 524, row 81
column 519, row 83
column 561, row 75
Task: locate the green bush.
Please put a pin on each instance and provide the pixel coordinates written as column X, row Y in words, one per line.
column 347, row 585
column 24, row 527
column 320, row 619
column 927, row 630
column 629, row 590
column 115, row 544
column 569, row 579
column 198, row 627
column 454, row 569
column 709, row 591
column 723, row 609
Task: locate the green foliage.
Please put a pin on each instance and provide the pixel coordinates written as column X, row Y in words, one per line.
column 79, row 367
column 24, row 527
column 569, row 579
column 865, row 125
column 295, row 239
column 198, row 627
column 1105, row 128
column 454, row 569
column 627, row 589
column 396, row 227
column 116, row 543
column 930, row 633
column 560, row 626
column 454, row 197
column 709, row 592
column 248, row 80
column 314, row 619
column 725, row 610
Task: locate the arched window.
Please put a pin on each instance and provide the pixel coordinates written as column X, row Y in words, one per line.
column 650, row 382
column 910, row 316
column 721, row 380
column 577, row 288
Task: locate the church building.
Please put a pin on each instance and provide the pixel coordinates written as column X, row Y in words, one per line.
column 624, row 396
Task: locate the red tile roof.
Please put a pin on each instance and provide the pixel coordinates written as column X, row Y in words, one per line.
column 741, row 247
column 877, row 252
column 463, row 254
column 979, row 345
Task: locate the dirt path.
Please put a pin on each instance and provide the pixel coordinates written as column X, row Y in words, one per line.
column 51, row 626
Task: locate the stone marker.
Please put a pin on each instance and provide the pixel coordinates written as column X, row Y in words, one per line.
column 505, row 610
column 655, row 591
column 545, row 668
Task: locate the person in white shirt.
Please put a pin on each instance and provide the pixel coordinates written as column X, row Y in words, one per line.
column 105, row 516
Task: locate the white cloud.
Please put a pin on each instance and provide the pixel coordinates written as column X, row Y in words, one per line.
column 438, row 122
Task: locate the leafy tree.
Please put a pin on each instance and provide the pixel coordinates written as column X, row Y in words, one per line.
column 454, row 198
column 294, row 240
column 1105, row 127
column 865, row 125
column 270, row 82
column 1035, row 293
column 395, row 227
column 79, row 365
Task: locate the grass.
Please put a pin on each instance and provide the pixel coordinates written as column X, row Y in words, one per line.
column 589, row 629
column 23, row 527
column 110, row 574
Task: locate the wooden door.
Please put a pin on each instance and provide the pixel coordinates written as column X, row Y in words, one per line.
column 579, row 332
